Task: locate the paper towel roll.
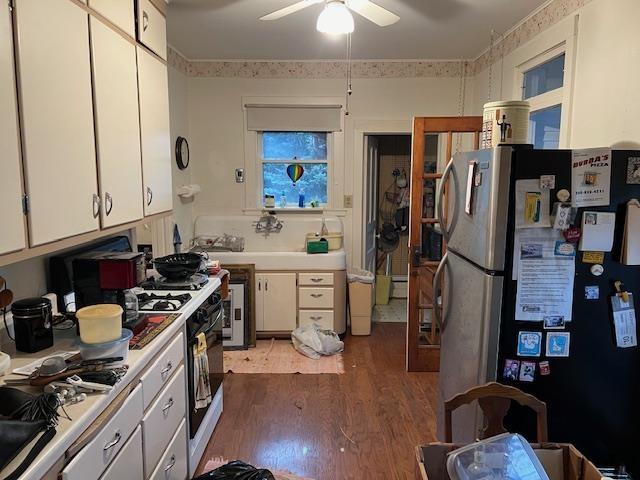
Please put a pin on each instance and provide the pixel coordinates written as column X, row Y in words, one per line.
column 188, row 191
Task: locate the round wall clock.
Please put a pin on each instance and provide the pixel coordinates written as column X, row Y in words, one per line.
column 182, row 153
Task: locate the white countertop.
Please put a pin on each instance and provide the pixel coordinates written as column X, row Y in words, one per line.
column 85, row 413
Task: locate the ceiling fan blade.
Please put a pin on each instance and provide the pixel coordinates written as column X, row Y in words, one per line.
column 372, row 12
column 283, row 12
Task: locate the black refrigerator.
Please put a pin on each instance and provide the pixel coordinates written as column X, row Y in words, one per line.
column 593, row 395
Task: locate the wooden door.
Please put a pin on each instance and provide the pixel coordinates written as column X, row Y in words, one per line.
column 279, row 305
column 155, row 135
column 54, row 75
column 117, row 122
column 12, row 234
column 425, row 244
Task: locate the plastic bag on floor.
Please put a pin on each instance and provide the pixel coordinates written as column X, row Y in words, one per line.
column 361, row 276
column 313, row 342
column 237, row 470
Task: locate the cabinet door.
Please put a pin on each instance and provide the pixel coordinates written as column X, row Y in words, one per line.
column 154, row 128
column 259, row 303
column 279, row 306
column 57, row 119
column 117, row 125
column 12, row 235
column 119, row 12
column 152, row 28
column 128, row 463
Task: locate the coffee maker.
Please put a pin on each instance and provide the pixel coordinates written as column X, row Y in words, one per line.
column 102, row 277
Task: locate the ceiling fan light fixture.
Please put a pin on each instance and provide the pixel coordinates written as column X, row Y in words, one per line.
column 335, row 19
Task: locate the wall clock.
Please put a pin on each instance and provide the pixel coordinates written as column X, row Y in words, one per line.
column 182, row 153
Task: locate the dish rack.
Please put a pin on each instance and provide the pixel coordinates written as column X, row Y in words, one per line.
column 218, row 243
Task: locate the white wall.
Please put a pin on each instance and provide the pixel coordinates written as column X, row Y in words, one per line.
column 604, row 45
column 216, row 128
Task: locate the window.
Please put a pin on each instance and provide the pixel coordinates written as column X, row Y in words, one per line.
column 310, row 150
column 542, row 87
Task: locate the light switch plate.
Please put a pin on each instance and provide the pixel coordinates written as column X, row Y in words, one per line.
column 348, row 201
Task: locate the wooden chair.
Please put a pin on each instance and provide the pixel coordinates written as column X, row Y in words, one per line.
column 494, row 400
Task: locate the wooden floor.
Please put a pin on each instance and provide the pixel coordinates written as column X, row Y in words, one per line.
column 301, row 423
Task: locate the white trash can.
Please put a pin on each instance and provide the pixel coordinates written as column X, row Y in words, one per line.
column 360, row 301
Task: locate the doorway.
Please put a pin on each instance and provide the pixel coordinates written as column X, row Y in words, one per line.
column 386, row 248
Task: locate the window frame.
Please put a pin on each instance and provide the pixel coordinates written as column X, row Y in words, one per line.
column 260, row 161
column 559, row 96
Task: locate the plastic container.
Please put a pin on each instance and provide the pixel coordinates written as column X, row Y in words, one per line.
column 360, row 301
column 514, row 113
column 506, row 456
column 333, row 238
column 115, row 348
column 317, row 246
column 100, row 323
column 383, row 289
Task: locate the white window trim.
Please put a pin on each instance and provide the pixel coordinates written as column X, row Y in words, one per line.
column 252, row 164
column 259, row 170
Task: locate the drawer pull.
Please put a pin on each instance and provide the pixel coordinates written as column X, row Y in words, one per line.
column 316, row 317
column 166, row 369
column 316, row 279
column 171, row 463
column 168, row 405
column 116, row 439
column 317, row 295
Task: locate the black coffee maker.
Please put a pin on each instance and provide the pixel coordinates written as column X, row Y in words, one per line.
column 32, row 324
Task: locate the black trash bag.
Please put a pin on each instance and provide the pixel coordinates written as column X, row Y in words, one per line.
column 237, row 470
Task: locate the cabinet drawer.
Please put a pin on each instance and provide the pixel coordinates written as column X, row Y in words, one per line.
column 323, row 318
column 128, row 463
column 99, row 452
column 316, row 297
column 161, row 370
column 315, row 278
column 118, row 12
column 152, row 28
column 162, row 420
column 173, row 464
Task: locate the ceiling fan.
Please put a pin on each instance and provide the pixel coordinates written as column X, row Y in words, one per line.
column 336, row 17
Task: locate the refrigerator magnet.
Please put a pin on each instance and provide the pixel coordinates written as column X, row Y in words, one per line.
column 545, row 368
column 572, row 234
column 553, row 322
column 529, row 344
column 511, row 369
column 593, row 257
column 633, row 170
column 528, row 371
column 596, row 270
column 558, row 344
column 563, row 195
column 591, row 292
column 547, row 182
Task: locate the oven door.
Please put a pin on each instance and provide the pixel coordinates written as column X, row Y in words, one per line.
column 212, row 328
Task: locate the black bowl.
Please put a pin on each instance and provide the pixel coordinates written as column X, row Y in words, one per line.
column 178, row 266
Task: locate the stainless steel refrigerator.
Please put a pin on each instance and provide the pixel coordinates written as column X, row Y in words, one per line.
column 593, row 396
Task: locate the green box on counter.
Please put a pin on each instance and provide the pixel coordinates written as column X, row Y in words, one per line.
column 317, row 246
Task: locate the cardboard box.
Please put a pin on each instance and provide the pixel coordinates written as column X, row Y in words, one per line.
column 561, row 462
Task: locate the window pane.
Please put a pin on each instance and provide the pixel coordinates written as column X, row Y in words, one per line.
column 544, row 78
column 294, row 145
column 313, row 183
column 544, row 127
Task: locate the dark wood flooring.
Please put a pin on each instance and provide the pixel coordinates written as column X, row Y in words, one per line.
column 301, row 423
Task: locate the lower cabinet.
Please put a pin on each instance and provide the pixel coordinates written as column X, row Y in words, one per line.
column 276, row 308
column 128, row 463
column 173, row 463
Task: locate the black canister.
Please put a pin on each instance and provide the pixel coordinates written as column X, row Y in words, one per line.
column 32, row 324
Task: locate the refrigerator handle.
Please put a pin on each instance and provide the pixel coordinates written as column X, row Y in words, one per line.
column 436, row 287
column 440, row 196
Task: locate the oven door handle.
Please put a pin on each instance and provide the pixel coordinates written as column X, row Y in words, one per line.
column 193, row 340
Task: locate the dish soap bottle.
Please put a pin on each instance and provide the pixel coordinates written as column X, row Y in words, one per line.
column 301, row 198
column 283, row 200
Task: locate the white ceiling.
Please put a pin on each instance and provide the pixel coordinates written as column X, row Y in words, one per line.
column 428, row 29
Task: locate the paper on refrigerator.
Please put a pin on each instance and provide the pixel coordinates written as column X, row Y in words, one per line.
column 545, row 280
column 624, row 320
column 590, row 177
column 531, row 235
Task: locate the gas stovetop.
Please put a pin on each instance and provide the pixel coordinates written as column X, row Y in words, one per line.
column 162, row 302
column 194, row 282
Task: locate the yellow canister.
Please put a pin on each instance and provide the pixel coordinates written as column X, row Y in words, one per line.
column 100, row 323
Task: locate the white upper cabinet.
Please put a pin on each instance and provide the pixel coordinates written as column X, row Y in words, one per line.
column 57, row 119
column 152, row 28
column 154, row 127
column 117, row 125
column 118, row 12
column 12, row 235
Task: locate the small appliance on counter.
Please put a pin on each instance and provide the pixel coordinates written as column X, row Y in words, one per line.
column 32, row 324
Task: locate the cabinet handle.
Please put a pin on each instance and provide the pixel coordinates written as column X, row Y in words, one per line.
column 259, row 285
column 316, row 317
column 317, row 295
column 96, row 205
column 108, row 203
column 168, row 405
column 316, row 279
column 149, row 196
column 266, row 285
column 171, row 463
column 145, row 21
column 113, row 443
column 166, row 369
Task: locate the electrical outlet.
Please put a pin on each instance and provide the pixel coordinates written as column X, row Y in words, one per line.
column 348, row 201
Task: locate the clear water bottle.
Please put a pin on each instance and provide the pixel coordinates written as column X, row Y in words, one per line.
column 478, row 470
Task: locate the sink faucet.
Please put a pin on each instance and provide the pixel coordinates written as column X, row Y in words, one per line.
column 268, row 223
